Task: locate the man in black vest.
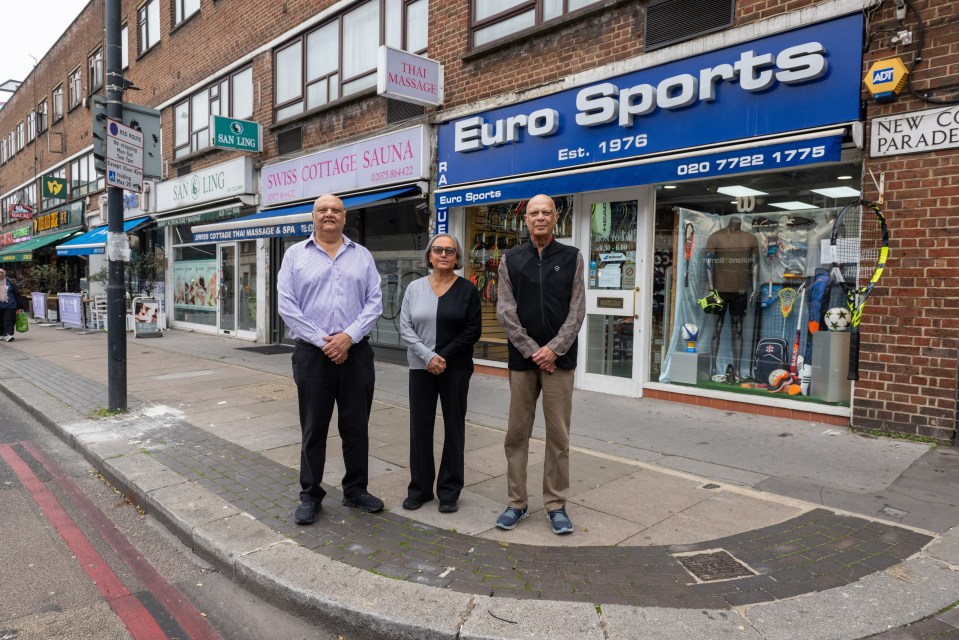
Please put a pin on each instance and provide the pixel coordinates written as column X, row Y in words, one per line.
column 541, row 305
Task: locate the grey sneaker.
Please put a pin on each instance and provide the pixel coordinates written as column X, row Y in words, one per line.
column 511, row 517
column 560, row 521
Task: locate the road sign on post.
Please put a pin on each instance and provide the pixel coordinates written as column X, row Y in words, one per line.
column 230, row 133
column 124, row 157
column 144, row 120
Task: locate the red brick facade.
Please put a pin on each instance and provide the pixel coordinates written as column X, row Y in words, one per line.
column 910, row 353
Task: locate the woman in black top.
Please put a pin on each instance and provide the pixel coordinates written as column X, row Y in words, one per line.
column 10, row 304
column 440, row 321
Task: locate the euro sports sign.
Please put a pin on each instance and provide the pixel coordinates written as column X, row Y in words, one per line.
column 800, row 79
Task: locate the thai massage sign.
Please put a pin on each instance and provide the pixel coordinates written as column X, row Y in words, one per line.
column 375, row 162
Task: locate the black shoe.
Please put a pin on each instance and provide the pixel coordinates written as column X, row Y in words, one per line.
column 411, row 504
column 448, row 506
column 307, row 513
column 364, row 502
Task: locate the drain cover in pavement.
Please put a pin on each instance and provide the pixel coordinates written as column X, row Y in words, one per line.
column 714, row 565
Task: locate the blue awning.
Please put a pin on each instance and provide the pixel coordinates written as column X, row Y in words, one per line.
column 94, row 241
column 287, row 221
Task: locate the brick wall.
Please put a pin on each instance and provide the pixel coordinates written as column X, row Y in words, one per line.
column 910, row 341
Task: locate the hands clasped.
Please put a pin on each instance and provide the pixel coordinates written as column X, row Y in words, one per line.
column 437, row 365
column 337, row 347
column 545, row 359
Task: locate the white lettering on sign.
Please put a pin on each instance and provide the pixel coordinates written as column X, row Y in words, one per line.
column 915, row 132
column 606, row 102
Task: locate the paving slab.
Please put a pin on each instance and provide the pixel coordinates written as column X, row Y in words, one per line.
column 642, row 623
column 507, row 619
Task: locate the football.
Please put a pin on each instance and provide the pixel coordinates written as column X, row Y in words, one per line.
column 690, row 332
column 838, row 319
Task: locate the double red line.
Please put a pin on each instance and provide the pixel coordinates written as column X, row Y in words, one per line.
column 139, row 621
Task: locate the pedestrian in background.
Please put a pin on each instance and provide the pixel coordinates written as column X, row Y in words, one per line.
column 328, row 293
column 440, row 321
column 10, row 304
column 541, row 305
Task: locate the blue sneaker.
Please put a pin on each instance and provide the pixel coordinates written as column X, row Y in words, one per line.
column 511, row 517
column 560, row 521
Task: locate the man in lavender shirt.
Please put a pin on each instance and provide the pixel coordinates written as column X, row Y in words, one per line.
column 328, row 291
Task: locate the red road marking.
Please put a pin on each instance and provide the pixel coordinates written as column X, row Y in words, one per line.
column 130, row 610
column 193, row 624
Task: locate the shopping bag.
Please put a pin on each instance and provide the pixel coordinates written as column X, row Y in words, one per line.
column 23, row 322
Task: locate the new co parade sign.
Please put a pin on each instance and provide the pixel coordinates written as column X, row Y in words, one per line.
column 230, row 133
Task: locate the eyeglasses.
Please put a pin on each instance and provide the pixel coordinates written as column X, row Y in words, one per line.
column 325, row 209
column 438, row 251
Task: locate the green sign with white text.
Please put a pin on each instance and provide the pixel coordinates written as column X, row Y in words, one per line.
column 229, row 133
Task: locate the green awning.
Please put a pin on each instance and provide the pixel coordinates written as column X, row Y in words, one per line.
column 23, row 251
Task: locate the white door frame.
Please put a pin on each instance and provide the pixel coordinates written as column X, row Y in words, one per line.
column 635, row 301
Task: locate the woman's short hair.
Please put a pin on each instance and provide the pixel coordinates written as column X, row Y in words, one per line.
column 456, row 243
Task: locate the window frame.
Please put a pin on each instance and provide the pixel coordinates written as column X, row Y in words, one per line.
column 143, row 26
column 3, row 150
column 95, row 75
column 523, row 7
column 125, row 45
column 31, row 126
column 385, row 8
column 20, row 129
column 74, row 89
column 48, row 203
column 214, row 93
column 58, row 112
column 179, row 17
column 90, row 186
column 42, row 116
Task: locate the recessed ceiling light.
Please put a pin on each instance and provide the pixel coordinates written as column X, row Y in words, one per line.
column 737, row 192
column 844, row 178
column 792, row 205
column 837, row 192
column 669, row 186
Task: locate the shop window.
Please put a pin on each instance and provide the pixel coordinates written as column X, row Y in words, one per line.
column 58, row 103
column 74, row 88
column 95, row 71
column 183, row 9
column 42, row 116
column 491, row 230
column 246, row 286
column 493, row 20
column 339, row 58
column 672, row 21
column 761, row 244
column 194, row 269
column 231, row 96
column 148, row 19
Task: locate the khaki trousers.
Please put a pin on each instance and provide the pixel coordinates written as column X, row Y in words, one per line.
column 557, row 391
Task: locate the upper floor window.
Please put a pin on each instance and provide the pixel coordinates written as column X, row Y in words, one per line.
column 492, row 20
column 83, row 176
column 339, row 58
column 42, row 116
column 3, row 151
column 74, row 89
column 149, row 21
column 20, row 130
column 95, row 70
column 58, row 103
column 124, row 46
column 12, row 142
column 48, row 203
column 183, row 9
column 31, row 126
column 231, row 96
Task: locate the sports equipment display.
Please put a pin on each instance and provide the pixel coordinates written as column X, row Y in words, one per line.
column 712, row 302
column 787, row 298
column 838, row 319
column 688, row 246
column 779, row 379
column 860, row 248
column 794, row 363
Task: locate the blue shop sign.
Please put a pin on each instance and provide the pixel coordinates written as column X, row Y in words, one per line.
column 791, row 81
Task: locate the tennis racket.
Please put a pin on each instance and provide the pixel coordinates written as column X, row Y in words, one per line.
column 860, row 247
column 689, row 233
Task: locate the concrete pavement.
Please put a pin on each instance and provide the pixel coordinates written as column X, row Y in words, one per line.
column 690, row 522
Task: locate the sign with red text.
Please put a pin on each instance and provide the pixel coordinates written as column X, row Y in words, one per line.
column 408, row 77
column 393, row 158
